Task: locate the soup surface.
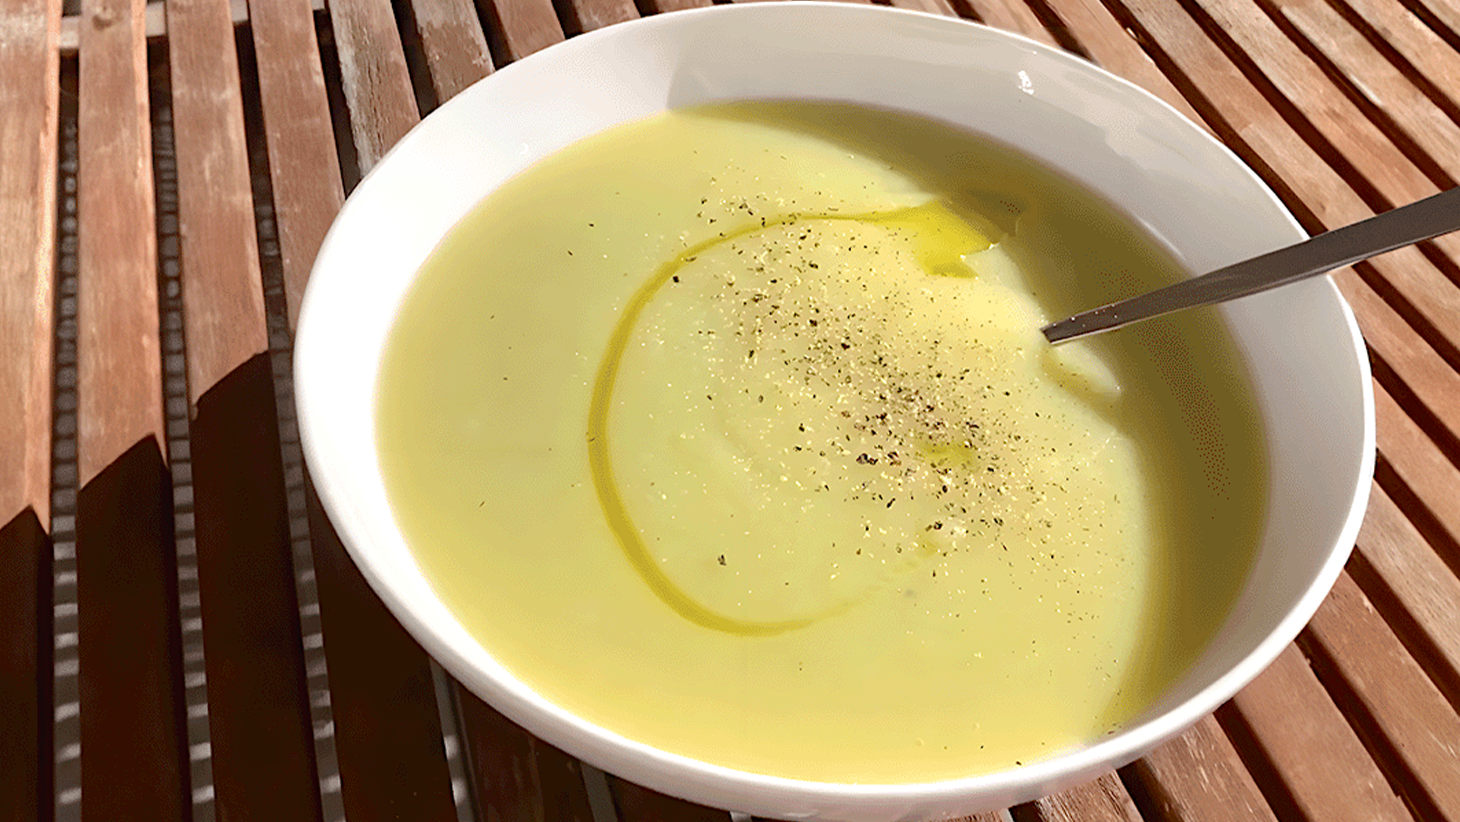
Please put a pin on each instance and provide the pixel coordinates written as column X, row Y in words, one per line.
column 733, row 431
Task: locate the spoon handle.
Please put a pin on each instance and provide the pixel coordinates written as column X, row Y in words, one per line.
column 1396, row 228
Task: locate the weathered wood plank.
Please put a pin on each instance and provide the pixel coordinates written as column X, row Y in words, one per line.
column 304, row 169
column 1384, row 691
column 261, row 748
column 29, row 104
column 1376, row 158
column 1113, row 48
column 587, row 15
column 156, row 22
column 130, row 665
column 931, row 6
column 1198, row 777
column 29, row 98
column 522, row 26
column 373, row 70
column 1391, row 89
column 1012, row 16
column 1304, row 739
column 1319, row 195
column 1398, row 561
column 1100, row 800
column 1418, row 44
column 387, row 735
column 1420, row 463
column 118, row 241
column 662, row 6
column 455, row 47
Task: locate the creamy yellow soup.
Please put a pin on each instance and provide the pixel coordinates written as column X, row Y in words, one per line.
column 733, row 431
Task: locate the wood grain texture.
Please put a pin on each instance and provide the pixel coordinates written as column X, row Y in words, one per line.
column 1100, row 800
column 522, row 26
column 373, row 70
column 29, row 95
column 1322, row 198
column 261, row 747
column 455, row 47
column 1012, row 16
column 1417, row 43
column 117, row 300
column 1113, row 48
column 679, row 5
column 1387, row 694
column 304, row 168
column 1390, row 88
column 1312, row 752
column 1402, row 567
column 130, row 675
column 942, row 7
column 1420, row 464
column 587, row 15
column 1342, row 125
column 1198, row 777
column 223, row 302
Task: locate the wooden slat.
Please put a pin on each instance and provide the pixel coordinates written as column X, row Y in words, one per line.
column 304, row 169
column 1416, row 42
column 1198, row 777
column 376, row 81
column 1320, row 767
column 455, row 48
column 1339, row 121
column 130, row 665
column 1381, row 82
column 1385, row 692
column 156, row 22
column 358, row 630
column 587, row 15
column 1418, row 461
column 261, row 749
column 29, row 98
column 1323, row 198
column 1446, row 14
column 118, row 243
column 1399, row 564
column 1100, row 800
column 1012, row 16
column 516, row 776
column 931, row 6
column 29, row 95
column 679, row 5
column 1113, row 48
column 522, row 26
column 387, row 736
column 387, row 726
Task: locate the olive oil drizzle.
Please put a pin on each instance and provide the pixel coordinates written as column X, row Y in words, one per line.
column 601, row 464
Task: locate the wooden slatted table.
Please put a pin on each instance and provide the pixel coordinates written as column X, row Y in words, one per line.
column 181, row 632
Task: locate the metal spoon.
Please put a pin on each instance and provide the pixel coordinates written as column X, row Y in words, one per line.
column 1396, row 228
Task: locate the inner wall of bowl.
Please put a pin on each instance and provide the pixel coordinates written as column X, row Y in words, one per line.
column 1186, row 190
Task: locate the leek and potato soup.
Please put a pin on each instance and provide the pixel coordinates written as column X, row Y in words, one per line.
column 733, row 432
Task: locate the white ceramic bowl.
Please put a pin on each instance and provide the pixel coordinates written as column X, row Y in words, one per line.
column 1303, row 347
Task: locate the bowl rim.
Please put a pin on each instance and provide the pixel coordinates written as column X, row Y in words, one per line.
column 703, row 781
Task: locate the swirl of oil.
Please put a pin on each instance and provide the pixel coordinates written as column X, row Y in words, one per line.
column 601, row 465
